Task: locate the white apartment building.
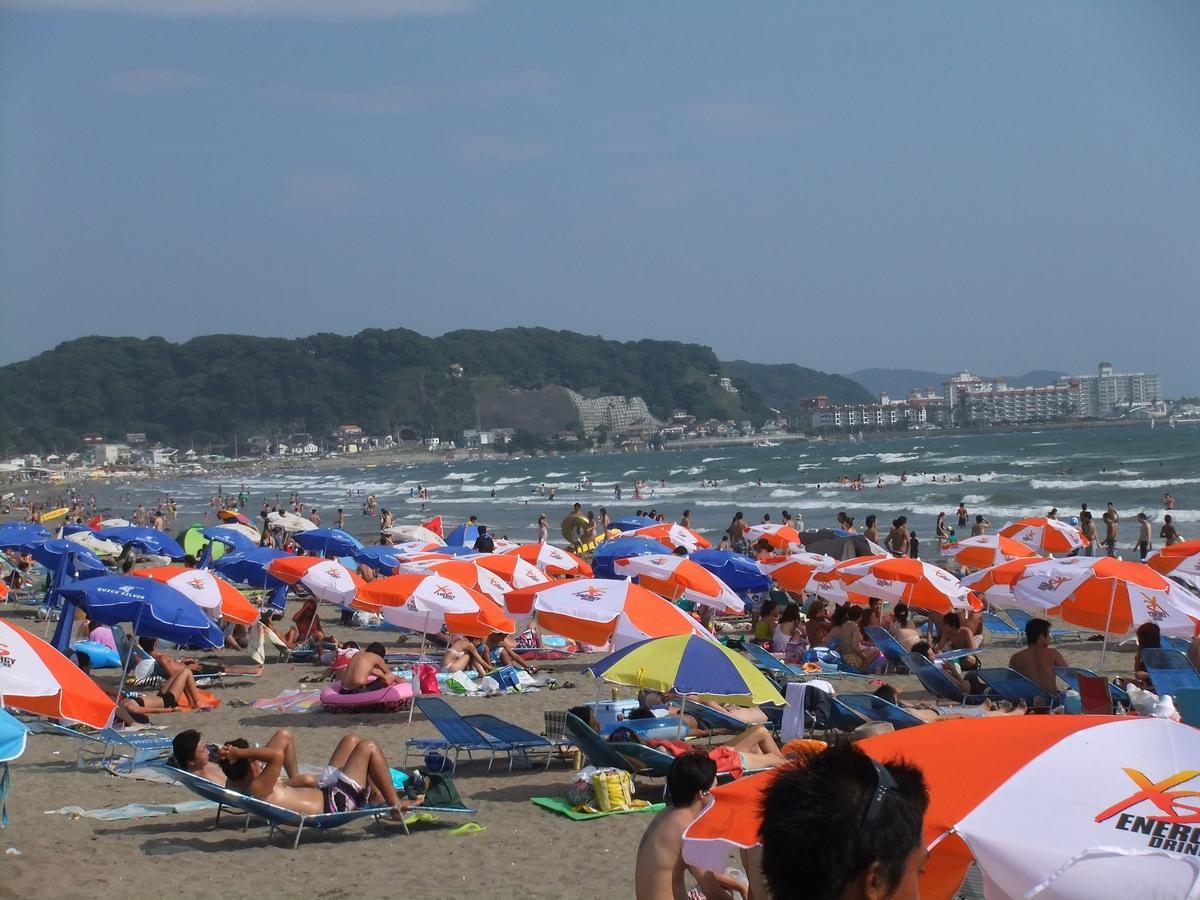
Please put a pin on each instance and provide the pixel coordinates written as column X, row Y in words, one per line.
column 1109, row 393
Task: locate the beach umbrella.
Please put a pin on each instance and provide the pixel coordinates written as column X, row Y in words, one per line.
column 676, row 577
column 454, row 550
column 605, row 557
column 85, row 563
column 738, row 571
column 986, row 550
column 633, row 523
column 328, row 542
column 96, row 546
column 414, row 533
column 464, row 571
column 12, row 740
column 1107, row 595
column 795, row 572
column 674, row 536
column 325, row 579
column 1110, row 791
column 463, row 536
column 1046, row 536
column 512, row 569
column 994, row 584
column 911, row 581
column 206, row 590
column 234, row 534
column 152, row 608
column 289, row 522
column 111, row 523
column 382, row 558
column 36, row 678
column 598, row 610
column 781, row 537
column 233, row 515
column 1178, row 559
column 839, row 544
column 691, row 667
column 149, row 540
column 831, row 586
column 14, row 535
column 428, row 602
column 554, row 561
column 250, row 567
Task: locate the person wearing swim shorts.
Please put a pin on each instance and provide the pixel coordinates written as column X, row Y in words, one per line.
column 367, row 671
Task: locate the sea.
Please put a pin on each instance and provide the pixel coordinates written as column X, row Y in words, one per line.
column 1001, row 476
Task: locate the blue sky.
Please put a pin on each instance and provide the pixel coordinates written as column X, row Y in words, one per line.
column 998, row 186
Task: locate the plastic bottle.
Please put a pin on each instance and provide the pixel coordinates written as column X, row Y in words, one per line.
column 1073, row 704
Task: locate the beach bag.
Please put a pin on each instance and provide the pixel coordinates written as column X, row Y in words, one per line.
column 612, row 789
column 506, row 677
column 427, row 678
column 460, row 683
column 440, row 791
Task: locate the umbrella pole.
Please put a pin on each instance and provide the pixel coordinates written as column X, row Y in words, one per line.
column 416, row 673
column 1112, row 599
column 682, row 710
column 128, row 656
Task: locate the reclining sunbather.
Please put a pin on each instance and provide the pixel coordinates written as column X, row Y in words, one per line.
column 193, row 755
column 931, row 712
column 647, row 700
column 180, row 686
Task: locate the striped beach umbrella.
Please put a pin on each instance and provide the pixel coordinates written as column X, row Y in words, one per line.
column 206, row 590
column 986, row 550
column 677, row 577
column 427, row 602
column 554, row 561
column 781, row 537
column 1178, row 559
column 327, row 579
column 911, row 581
column 995, row 583
column 36, row 678
column 795, row 572
column 512, row 569
column 1046, row 536
column 674, row 536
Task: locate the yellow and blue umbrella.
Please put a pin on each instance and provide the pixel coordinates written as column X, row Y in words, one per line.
column 690, row 666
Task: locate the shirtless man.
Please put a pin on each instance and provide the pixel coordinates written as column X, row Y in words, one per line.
column 357, row 775
column 193, row 755
column 1037, row 661
column 956, row 636
column 659, row 870
column 367, row 671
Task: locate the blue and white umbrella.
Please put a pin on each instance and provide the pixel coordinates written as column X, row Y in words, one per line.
column 250, row 567
column 328, row 541
column 149, row 540
column 152, row 608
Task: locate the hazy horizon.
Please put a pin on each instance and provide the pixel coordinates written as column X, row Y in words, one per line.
column 842, row 186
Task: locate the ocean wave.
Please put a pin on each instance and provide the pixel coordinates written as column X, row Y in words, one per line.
column 1074, row 484
column 500, row 481
column 803, row 466
column 565, row 474
column 744, row 471
column 709, row 459
column 975, row 499
column 465, row 476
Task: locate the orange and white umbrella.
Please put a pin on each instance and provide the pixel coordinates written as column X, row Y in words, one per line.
column 1178, row 559
column 1046, row 536
column 911, row 581
column 674, row 536
column 1110, row 793
column 995, row 583
column 327, row 579
column 554, row 561
column 829, row 584
column 795, row 572
column 986, row 550
column 429, row 602
column 36, row 678
column 781, row 537
column 1107, row 595
column 466, row 572
column 599, row 610
column 206, row 590
column 512, row 569
column 676, row 577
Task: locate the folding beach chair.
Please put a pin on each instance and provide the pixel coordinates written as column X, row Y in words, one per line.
column 1003, row 630
column 1014, row 687
column 876, row 709
column 457, row 734
column 138, row 747
column 937, row 682
column 555, row 721
column 1020, row 618
column 520, row 741
column 1169, row 670
column 1071, row 675
column 636, row 759
column 894, row 650
column 768, row 663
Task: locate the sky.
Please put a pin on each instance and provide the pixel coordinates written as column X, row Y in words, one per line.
column 843, row 185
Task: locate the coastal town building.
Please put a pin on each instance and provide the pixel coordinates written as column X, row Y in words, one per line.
column 613, row 413
column 1109, row 393
column 971, row 400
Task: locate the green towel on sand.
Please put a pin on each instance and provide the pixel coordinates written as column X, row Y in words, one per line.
column 563, row 808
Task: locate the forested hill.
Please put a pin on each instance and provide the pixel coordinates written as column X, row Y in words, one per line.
column 780, row 385
column 210, row 388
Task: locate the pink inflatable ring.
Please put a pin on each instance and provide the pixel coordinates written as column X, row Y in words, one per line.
column 393, row 698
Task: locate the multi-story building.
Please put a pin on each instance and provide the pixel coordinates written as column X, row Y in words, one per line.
column 972, row 400
column 1109, row 393
column 613, row 412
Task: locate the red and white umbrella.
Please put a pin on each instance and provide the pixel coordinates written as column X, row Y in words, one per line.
column 795, row 572
column 676, row 577
column 552, row 560
column 326, row 579
column 36, row 678
column 995, row 584
column 206, row 590
column 911, row 581
column 781, row 537
column 466, row 571
column 1046, row 536
column 429, row 602
column 829, row 584
column 512, row 569
column 599, row 610
column 1110, row 793
column 674, row 536
column 1182, row 559
column 986, row 550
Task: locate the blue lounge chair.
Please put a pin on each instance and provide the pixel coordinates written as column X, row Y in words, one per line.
column 1020, row 618
column 767, row 662
column 1014, row 687
column 457, row 734
column 520, row 741
column 1070, row 677
column 1002, row 629
column 894, row 650
column 879, row 710
column 937, row 682
column 636, row 759
column 1169, row 670
column 138, row 747
column 1187, row 702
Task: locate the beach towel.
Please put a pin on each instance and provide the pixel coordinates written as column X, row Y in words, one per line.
column 563, row 808
column 133, row 810
column 292, row 700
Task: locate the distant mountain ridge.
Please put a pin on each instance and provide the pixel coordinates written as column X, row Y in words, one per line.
column 896, row 383
column 782, row 384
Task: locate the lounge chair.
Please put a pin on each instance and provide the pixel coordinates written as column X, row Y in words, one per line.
column 767, row 662
column 937, row 682
column 1002, row 629
column 520, row 741
column 1070, row 677
column 138, row 747
column 278, row 816
column 894, row 650
column 556, row 731
column 879, row 710
column 1187, row 703
column 1014, row 687
column 1021, row 618
column 1169, row 670
column 457, row 734
column 636, row 759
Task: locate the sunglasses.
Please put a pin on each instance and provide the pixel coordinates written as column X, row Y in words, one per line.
column 884, row 782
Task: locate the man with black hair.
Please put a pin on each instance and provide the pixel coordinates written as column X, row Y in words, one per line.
column 844, row 827
column 367, row 671
column 1038, row 661
column 485, row 543
column 659, row 870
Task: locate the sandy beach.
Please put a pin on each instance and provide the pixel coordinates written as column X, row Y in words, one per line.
column 524, row 849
